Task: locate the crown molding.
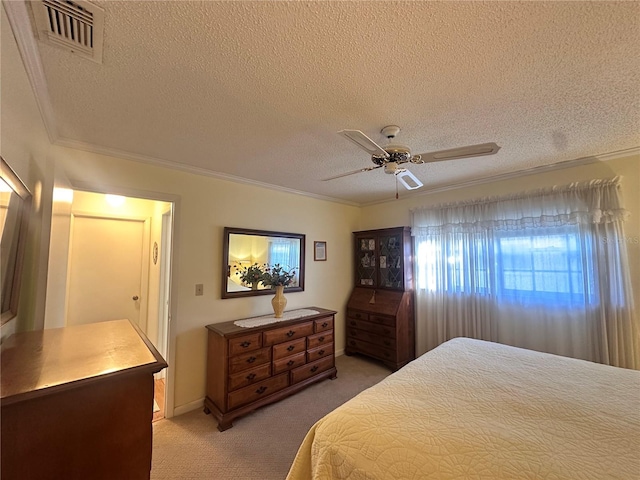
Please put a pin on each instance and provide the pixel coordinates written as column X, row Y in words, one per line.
column 21, row 26
column 628, row 152
column 112, row 152
column 603, row 157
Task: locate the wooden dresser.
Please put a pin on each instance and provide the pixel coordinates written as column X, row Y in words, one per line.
column 380, row 311
column 77, row 403
column 249, row 367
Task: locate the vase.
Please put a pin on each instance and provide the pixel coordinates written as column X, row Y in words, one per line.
column 279, row 301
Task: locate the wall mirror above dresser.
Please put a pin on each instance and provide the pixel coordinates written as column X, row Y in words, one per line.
column 245, row 248
column 15, row 200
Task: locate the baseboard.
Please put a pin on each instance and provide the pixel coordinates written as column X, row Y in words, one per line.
column 188, row 407
column 339, row 352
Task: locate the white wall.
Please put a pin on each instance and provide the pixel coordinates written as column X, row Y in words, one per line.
column 24, row 144
column 206, row 205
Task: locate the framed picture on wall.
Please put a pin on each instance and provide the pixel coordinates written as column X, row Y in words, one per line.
column 320, row 251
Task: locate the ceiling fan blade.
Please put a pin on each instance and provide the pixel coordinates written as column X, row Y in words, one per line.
column 364, row 142
column 352, row 173
column 455, row 153
column 408, row 179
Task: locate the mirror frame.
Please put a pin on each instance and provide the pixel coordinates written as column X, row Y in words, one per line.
column 10, row 178
column 261, row 233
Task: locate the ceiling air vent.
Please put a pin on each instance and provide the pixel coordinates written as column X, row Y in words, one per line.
column 75, row 26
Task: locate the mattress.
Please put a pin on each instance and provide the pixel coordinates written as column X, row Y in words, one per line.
column 471, row 409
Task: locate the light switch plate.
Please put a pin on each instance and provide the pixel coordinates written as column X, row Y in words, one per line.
column 199, row 289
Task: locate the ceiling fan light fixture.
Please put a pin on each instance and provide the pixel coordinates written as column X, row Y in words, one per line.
column 392, row 155
column 409, row 180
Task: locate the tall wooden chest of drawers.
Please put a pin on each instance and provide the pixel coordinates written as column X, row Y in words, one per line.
column 249, row 367
column 380, row 312
column 383, row 329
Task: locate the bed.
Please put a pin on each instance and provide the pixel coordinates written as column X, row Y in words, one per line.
column 471, row 409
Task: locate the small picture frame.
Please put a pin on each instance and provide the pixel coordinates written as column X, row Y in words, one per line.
column 320, row 251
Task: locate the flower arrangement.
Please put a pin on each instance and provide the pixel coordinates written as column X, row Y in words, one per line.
column 277, row 276
column 251, row 275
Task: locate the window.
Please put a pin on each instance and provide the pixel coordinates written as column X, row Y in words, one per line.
column 545, row 270
column 549, row 268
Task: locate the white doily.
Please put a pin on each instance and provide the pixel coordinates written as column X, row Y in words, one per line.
column 267, row 319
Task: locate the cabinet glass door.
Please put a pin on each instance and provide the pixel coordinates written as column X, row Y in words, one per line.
column 366, row 258
column 391, row 261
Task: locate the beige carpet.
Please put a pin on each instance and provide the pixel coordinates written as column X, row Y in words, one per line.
column 260, row 446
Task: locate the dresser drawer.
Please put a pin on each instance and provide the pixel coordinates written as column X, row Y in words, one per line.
column 246, row 343
column 256, row 391
column 311, row 369
column 319, row 352
column 357, row 315
column 354, row 333
column 318, row 339
column 279, row 335
column 249, row 360
column 323, row 324
column 371, row 349
column 287, row 363
column 248, row 377
column 289, row 348
column 383, row 319
column 383, row 330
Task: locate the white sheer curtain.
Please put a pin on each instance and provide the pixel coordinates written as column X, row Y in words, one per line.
column 544, row 270
column 283, row 252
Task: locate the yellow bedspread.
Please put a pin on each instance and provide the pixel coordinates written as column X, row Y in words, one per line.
column 478, row 410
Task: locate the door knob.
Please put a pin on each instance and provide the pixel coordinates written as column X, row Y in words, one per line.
column 135, row 297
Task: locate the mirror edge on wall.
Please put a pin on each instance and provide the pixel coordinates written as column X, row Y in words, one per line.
column 8, row 175
column 267, row 233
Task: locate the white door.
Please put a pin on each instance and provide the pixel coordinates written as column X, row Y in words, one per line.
column 106, row 276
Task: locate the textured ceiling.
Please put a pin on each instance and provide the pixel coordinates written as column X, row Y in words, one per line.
column 258, row 90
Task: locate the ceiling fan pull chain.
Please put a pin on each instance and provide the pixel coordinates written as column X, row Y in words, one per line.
column 396, row 186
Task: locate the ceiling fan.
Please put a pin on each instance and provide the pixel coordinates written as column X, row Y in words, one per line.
column 392, row 155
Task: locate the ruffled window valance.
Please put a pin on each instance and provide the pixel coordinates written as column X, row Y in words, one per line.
column 591, row 202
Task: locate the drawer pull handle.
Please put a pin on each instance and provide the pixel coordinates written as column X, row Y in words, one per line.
column 325, row 325
column 290, row 333
column 314, row 368
column 290, row 347
column 352, row 323
column 321, row 339
column 261, row 390
column 251, row 359
column 352, row 342
column 358, row 315
column 251, row 376
column 321, row 352
column 290, row 362
column 245, row 344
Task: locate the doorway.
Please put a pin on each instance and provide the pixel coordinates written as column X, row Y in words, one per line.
column 110, row 258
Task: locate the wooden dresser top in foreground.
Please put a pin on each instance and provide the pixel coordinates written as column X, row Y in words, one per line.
column 39, row 362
